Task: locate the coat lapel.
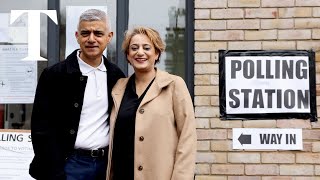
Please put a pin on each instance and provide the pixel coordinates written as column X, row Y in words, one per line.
column 152, row 93
column 162, row 80
column 118, row 92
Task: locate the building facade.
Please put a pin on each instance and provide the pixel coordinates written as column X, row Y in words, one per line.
column 251, row 25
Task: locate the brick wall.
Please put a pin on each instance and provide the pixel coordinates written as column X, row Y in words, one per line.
column 260, row 25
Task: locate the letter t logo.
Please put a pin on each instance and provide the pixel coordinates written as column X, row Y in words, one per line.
column 34, row 30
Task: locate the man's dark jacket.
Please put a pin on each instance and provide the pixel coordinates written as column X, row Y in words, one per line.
column 56, row 114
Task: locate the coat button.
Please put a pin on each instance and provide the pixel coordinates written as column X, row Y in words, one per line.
column 141, row 111
column 72, row 131
column 76, row 105
column 140, row 168
column 141, row 138
column 81, row 78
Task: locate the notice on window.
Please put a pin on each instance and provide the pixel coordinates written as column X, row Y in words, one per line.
column 17, row 32
column 18, row 78
column 16, row 154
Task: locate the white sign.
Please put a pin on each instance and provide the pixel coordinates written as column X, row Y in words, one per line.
column 16, row 154
column 267, row 84
column 263, row 138
column 72, row 19
column 14, row 33
column 18, row 79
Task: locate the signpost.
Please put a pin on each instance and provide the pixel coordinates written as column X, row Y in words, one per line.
column 263, row 138
column 267, row 84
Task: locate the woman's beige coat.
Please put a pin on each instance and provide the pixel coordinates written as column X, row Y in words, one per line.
column 165, row 132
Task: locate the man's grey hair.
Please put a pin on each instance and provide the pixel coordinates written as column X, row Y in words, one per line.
column 95, row 15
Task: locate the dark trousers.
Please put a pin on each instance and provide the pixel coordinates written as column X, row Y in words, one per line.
column 79, row 167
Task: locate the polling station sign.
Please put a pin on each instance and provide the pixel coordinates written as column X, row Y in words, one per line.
column 16, row 153
column 267, row 84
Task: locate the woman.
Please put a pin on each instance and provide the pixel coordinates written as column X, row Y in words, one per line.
column 152, row 122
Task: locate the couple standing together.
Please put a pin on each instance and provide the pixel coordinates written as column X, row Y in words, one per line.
column 89, row 122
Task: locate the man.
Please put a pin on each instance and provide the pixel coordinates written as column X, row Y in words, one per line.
column 70, row 118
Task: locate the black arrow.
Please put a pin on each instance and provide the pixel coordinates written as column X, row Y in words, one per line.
column 244, row 139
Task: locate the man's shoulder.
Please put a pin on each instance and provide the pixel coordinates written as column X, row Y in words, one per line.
column 69, row 63
column 58, row 67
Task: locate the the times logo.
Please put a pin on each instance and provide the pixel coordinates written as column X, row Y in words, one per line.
column 33, row 30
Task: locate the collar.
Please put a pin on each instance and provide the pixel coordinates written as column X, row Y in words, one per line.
column 86, row 68
column 161, row 80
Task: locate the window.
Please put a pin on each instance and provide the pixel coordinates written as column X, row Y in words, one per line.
column 168, row 18
column 18, row 78
column 111, row 10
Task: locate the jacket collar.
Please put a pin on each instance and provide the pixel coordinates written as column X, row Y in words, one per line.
column 162, row 80
column 73, row 65
column 86, row 68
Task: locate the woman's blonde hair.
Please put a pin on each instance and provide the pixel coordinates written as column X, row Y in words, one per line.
column 152, row 34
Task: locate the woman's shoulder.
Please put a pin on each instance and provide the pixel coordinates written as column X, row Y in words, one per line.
column 166, row 76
